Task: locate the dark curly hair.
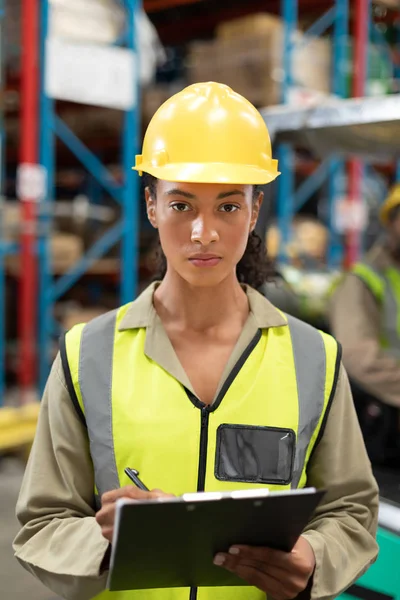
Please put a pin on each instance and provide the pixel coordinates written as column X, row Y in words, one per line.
column 254, row 268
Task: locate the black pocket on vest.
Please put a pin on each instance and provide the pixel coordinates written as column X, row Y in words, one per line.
column 255, row 454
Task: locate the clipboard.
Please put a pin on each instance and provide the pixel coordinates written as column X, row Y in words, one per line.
column 170, row 543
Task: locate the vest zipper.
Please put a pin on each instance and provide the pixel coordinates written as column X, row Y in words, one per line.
column 201, row 478
column 205, row 415
column 193, row 593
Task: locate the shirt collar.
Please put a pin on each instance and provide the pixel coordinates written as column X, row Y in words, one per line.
column 141, row 312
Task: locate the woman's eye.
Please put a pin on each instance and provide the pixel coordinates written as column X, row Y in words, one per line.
column 180, row 207
column 228, row 208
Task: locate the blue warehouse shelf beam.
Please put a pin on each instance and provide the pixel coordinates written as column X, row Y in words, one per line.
column 285, row 207
column 126, row 195
column 311, row 185
column 337, row 165
column 47, row 159
column 286, row 158
column 88, row 159
column 322, row 24
column 98, row 249
column 130, row 147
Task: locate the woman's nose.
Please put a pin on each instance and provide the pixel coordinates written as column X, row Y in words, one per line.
column 204, row 231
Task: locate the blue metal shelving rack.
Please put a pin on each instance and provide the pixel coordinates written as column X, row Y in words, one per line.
column 290, row 201
column 332, row 170
column 126, row 195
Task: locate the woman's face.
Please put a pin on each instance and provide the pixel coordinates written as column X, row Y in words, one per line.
column 203, row 227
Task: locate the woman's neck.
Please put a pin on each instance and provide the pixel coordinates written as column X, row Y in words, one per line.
column 200, row 308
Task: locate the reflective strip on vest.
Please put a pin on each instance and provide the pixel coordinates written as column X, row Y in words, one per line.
column 372, row 279
column 95, row 378
column 95, row 382
column 310, row 362
column 392, row 311
column 385, row 286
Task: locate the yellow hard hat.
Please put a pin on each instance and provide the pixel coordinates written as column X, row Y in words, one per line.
column 391, row 202
column 208, row 133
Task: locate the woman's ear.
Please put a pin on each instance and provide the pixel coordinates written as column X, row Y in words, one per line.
column 151, row 207
column 256, row 210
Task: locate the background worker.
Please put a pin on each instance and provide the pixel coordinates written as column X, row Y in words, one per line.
column 175, row 381
column 365, row 318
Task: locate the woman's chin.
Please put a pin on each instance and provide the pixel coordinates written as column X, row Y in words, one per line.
column 204, row 278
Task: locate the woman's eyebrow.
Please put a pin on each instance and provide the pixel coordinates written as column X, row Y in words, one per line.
column 178, row 192
column 230, row 193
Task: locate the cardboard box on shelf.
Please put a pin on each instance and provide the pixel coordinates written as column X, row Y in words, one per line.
column 257, row 24
column 11, row 221
column 90, row 123
column 65, row 248
column 309, row 238
column 392, row 4
column 248, row 56
column 76, row 216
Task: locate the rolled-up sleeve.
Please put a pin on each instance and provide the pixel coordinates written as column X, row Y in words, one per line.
column 60, row 541
column 342, row 532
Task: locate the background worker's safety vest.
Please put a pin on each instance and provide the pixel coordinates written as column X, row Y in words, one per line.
column 385, row 287
column 139, row 416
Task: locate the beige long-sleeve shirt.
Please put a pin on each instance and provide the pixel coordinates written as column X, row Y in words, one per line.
column 355, row 320
column 60, row 541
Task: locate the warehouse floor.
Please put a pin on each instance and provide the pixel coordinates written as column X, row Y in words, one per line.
column 15, row 582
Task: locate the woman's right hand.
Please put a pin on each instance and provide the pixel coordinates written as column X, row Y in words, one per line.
column 106, row 515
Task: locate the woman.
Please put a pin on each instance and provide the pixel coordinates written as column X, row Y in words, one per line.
column 175, row 380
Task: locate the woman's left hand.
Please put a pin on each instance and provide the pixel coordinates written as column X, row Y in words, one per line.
column 282, row 575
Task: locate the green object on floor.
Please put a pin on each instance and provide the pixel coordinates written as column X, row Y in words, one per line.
column 383, row 577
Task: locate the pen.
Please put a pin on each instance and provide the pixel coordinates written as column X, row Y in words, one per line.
column 133, row 476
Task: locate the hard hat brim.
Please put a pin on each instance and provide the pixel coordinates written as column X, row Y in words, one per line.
column 211, row 172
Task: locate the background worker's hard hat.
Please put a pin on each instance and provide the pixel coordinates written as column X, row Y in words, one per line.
column 208, row 133
column 390, row 203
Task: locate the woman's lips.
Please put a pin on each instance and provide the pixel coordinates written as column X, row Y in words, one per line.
column 211, row 261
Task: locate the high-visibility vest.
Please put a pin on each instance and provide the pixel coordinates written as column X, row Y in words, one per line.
column 138, row 415
column 385, row 286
